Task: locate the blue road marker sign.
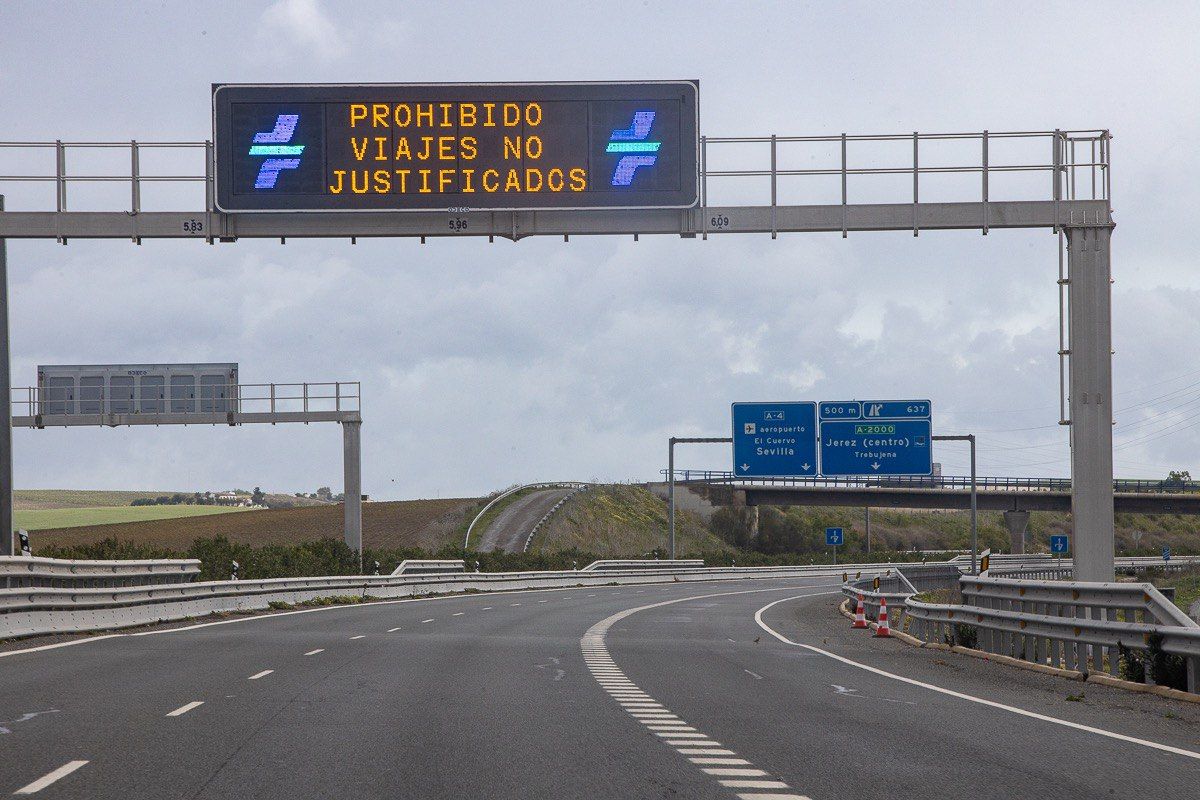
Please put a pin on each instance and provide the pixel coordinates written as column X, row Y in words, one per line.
column 889, row 437
column 833, row 537
column 1166, row 553
column 773, row 440
column 1059, row 544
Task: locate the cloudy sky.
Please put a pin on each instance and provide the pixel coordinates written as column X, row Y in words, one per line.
column 486, row 364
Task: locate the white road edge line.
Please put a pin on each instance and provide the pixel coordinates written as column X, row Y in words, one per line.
column 183, row 709
column 46, row 780
column 1166, row 748
column 258, row 675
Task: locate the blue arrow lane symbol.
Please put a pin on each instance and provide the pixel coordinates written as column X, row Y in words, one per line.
column 636, row 151
column 274, row 143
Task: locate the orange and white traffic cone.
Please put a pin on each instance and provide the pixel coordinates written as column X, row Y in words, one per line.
column 882, row 628
column 860, row 614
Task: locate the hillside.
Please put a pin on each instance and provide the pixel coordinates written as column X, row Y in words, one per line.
column 429, row 524
column 622, row 521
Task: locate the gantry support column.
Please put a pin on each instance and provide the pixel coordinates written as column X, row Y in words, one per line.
column 1089, row 275
column 6, row 456
column 352, row 486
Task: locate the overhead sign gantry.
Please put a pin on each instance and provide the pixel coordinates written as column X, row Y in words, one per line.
column 792, row 184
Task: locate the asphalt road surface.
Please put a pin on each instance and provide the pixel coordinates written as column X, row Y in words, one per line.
column 664, row 691
column 510, row 528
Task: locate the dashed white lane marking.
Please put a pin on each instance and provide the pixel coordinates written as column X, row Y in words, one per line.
column 754, row 675
column 258, row 675
column 392, row 630
column 183, row 709
column 591, row 595
column 543, row 601
column 720, row 762
column 314, row 652
column 426, row 620
column 458, row 613
column 487, row 608
column 514, row 604
column 44, row 781
column 360, row 636
column 1166, row 748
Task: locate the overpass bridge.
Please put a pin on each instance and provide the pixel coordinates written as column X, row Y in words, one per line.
column 1012, row 495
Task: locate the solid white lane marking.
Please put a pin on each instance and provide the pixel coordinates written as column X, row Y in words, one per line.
column 46, row 780
column 360, row 636
column 707, row 755
column 392, row 630
column 458, row 613
column 1166, row 748
column 186, row 707
column 314, row 652
column 258, row 675
column 772, row 796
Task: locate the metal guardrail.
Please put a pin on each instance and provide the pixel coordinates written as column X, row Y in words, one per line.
column 896, row 585
column 1064, row 624
column 430, row 566
column 984, row 482
column 607, row 565
column 25, row 572
column 33, row 611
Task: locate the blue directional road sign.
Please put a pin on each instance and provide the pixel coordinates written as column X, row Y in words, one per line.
column 1059, row 544
column 833, row 537
column 773, row 440
column 891, row 437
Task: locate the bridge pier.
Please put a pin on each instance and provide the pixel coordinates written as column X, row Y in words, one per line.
column 1089, row 289
column 1017, row 523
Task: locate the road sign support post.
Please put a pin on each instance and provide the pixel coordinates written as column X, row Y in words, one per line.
column 867, row 516
column 6, row 455
column 1089, row 290
column 970, row 437
column 674, row 440
column 352, row 487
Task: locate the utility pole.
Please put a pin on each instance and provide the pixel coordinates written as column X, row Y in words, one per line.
column 867, row 515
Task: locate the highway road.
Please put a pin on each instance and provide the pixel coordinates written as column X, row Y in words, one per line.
column 754, row 689
column 511, row 526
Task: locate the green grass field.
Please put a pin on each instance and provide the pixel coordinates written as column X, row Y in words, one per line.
column 37, row 499
column 40, row 519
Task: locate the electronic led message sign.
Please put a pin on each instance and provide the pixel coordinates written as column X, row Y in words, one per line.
column 401, row 147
